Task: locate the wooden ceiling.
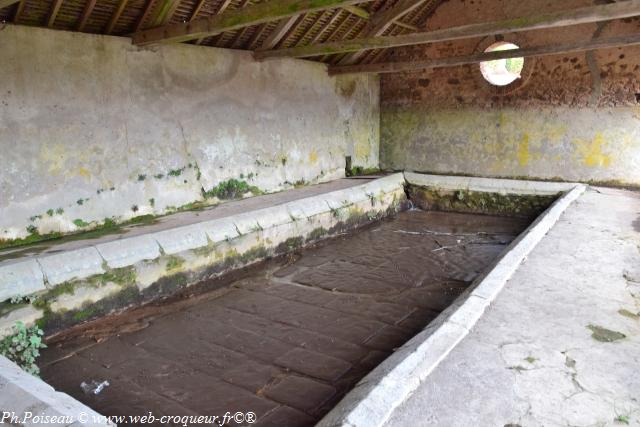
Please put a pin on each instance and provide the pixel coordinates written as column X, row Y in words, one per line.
column 352, row 36
column 126, row 17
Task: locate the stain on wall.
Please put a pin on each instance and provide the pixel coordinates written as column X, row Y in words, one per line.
column 571, row 117
column 93, row 128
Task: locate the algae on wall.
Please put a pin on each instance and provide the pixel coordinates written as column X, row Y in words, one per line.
column 466, row 201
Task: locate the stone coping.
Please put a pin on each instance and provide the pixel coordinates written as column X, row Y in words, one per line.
column 488, row 185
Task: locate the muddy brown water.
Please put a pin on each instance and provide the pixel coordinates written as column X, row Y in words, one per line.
column 287, row 339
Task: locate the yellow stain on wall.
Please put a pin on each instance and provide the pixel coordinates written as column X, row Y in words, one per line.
column 523, row 151
column 592, row 153
column 313, row 157
column 54, row 157
column 362, row 150
column 83, row 172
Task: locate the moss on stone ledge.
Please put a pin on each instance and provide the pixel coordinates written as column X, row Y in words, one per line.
column 466, row 201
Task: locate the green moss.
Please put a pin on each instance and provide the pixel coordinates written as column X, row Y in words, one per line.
column 361, row 171
column 142, row 177
column 152, row 202
column 121, row 276
column 176, row 172
column 231, row 189
column 109, row 226
column 80, row 223
column 84, row 314
column 317, row 234
column 528, row 206
column 629, row 314
column 50, row 212
column 59, row 211
column 605, row 335
column 291, row 244
column 174, row 263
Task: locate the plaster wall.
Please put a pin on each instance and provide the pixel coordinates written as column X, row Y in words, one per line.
column 94, row 128
column 573, row 117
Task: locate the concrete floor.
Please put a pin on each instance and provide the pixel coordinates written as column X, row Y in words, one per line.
column 560, row 346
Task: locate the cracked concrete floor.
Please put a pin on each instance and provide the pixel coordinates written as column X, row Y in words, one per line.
column 560, row 346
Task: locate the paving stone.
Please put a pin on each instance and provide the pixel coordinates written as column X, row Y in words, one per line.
column 313, row 364
column 298, row 392
column 284, row 416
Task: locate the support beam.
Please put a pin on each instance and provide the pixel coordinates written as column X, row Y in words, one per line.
column 358, row 11
column 147, row 10
column 86, row 13
column 279, row 32
column 395, row 67
column 116, row 15
column 623, row 9
column 19, row 11
column 54, row 13
column 164, row 13
column 222, row 8
column 7, row 3
column 196, row 10
column 270, row 10
column 382, row 21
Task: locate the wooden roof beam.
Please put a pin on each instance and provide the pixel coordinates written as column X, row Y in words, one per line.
column 116, row 15
column 620, row 10
column 395, row 67
column 236, row 19
column 7, row 3
column 86, row 13
column 55, row 8
column 279, row 32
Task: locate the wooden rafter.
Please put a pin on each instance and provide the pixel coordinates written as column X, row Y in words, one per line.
column 332, row 20
column 116, row 15
column 196, row 10
column 225, row 4
column 624, row 9
column 54, row 13
column 164, row 12
column 18, row 11
column 7, row 3
column 236, row 19
column 86, row 13
column 394, row 67
column 143, row 18
column 279, row 32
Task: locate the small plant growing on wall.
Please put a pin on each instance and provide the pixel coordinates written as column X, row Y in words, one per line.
column 23, row 347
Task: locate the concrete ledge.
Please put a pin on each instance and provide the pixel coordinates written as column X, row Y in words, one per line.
column 22, row 278
column 23, row 393
column 375, row 397
column 65, row 266
column 181, row 239
column 124, row 252
column 489, row 185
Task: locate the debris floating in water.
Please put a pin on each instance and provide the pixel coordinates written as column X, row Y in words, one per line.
column 94, row 387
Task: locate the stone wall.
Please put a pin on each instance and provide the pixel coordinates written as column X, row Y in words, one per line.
column 570, row 117
column 94, row 129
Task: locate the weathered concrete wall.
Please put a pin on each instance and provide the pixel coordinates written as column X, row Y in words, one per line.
column 92, row 127
column 573, row 117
